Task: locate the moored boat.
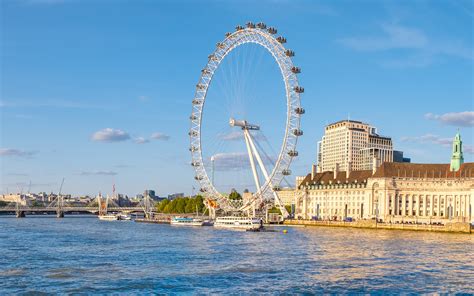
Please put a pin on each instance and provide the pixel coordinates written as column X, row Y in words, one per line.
column 108, row 217
column 187, row 221
column 235, row 222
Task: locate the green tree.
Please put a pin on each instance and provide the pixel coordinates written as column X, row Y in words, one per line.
column 199, row 202
column 190, row 205
column 180, row 205
column 161, row 206
column 234, row 195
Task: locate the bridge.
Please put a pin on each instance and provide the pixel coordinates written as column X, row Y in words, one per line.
column 20, row 207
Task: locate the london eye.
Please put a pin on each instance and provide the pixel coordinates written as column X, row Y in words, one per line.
column 266, row 172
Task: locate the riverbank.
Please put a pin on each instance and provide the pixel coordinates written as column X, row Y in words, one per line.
column 455, row 227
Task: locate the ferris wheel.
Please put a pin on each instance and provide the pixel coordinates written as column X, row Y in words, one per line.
column 266, row 189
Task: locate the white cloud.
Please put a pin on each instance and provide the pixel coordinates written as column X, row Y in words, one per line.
column 98, row 173
column 141, row 140
column 465, row 118
column 16, row 152
column 421, row 49
column 110, row 135
column 395, row 37
column 435, row 139
column 160, row 136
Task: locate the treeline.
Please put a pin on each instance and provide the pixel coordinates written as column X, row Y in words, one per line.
column 182, row 205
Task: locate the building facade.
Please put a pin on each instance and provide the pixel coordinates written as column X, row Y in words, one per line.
column 351, row 145
column 393, row 192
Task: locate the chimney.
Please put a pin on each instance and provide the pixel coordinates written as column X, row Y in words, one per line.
column 313, row 171
column 375, row 165
column 336, row 170
column 318, row 168
column 348, row 170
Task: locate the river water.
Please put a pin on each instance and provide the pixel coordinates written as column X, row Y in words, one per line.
column 84, row 255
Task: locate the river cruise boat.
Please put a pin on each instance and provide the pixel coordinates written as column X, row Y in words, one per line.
column 187, row 221
column 242, row 223
column 109, row 217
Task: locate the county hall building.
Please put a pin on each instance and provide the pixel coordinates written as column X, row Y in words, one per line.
column 396, row 192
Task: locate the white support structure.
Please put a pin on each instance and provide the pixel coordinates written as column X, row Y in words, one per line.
column 249, row 139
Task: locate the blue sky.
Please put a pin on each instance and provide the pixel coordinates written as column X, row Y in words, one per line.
column 99, row 92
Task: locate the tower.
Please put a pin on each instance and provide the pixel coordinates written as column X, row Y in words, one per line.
column 456, row 158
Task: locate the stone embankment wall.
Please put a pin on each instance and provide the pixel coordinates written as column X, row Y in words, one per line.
column 457, row 227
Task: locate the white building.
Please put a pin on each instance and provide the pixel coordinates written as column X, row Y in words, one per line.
column 393, row 192
column 351, row 145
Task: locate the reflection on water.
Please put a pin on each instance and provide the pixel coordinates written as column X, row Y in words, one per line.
column 75, row 255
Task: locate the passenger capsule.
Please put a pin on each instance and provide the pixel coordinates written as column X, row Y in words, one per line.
column 299, row 110
column 200, row 86
column 293, row 153
column 250, row 25
column 261, row 26
column 228, row 34
column 289, row 53
column 239, row 28
column 281, row 39
column 295, row 70
column 286, row 172
column 197, row 102
column 193, row 117
column 192, row 133
column 276, row 188
column 297, row 132
column 195, row 164
column 193, row 149
column 272, row 30
column 298, row 89
column 198, row 178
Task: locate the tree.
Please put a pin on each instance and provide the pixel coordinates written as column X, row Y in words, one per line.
column 161, row 206
column 180, row 205
column 234, row 195
column 190, row 205
column 199, row 202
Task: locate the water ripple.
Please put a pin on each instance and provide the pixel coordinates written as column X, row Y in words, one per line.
column 87, row 256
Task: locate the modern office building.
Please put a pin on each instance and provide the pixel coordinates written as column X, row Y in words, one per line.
column 352, row 145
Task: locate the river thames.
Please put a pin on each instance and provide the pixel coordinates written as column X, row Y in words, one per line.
column 85, row 255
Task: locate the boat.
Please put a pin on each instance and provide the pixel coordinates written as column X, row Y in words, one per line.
column 124, row 217
column 109, row 217
column 187, row 221
column 235, row 222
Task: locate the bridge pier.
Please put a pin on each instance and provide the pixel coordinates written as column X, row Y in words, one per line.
column 20, row 214
column 59, row 214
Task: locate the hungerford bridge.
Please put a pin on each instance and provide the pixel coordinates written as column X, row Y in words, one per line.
column 58, row 206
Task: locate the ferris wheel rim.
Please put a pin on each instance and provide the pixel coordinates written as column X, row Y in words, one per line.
column 274, row 46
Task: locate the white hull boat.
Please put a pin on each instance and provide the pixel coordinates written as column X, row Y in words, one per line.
column 239, row 223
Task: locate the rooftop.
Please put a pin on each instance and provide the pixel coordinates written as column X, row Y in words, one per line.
column 393, row 170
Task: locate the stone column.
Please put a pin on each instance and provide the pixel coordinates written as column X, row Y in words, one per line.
column 305, row 207
column 431, row 205
column 439, row 205
column 395, row 204
column 404, row 205
column 425, row 199
column 410, row 205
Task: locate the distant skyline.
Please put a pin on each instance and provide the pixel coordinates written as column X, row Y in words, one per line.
column 99, row 92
